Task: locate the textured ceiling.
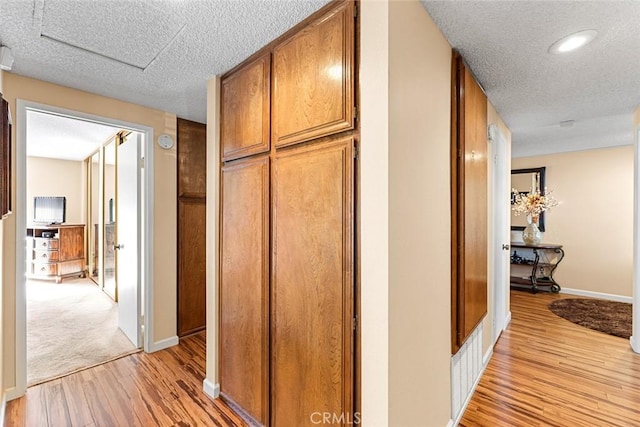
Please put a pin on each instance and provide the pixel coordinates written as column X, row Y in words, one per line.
column 506, row 42
column 157, row 53
column 59, row 137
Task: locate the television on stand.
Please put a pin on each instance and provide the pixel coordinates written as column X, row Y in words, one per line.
column 49, row 210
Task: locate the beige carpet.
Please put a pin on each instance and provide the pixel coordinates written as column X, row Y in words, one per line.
column 70, row 326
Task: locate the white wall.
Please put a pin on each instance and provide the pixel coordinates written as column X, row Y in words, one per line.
column 374, row 211
column 419, row 218
column 592, row 222
column 55, row 177
column 164, row 214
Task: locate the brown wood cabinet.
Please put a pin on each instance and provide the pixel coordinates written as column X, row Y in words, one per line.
column 192, row 192
column 312, row 282
column 286, row 262
column 313, row 79
column 56, row 251
column 245, row 104
column 244, row 286
column 469, row 203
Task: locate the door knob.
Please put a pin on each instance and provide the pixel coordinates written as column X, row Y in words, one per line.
column 118, row 246
column 505, row 247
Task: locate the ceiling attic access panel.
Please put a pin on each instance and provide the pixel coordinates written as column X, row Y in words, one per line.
column 313, row 79
column 245, row 103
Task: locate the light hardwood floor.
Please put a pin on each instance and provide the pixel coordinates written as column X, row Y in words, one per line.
column 158, row 389
column 547, row 371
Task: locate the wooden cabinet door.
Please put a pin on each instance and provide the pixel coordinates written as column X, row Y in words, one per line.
column 244, row 286
column 71, row 243
column 312, row 283
column 313, row 92
column 470, row 205
column 192, row 230
column 192, row 262
column 245, row 105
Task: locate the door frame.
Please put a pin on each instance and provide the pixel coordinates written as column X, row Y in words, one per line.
column 22, row 106
column 634, row 341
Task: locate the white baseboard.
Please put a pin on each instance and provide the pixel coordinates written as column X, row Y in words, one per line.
column 165, row 343
column 3, row 409
column 450, row 423
column 590, row 294
column 635, row 345
column 487, row 357
column 507, row 321
column 210, row 389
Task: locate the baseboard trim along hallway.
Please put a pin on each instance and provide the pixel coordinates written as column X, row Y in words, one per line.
column 212, row 390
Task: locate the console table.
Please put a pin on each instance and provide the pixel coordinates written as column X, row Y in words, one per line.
column 540, row 261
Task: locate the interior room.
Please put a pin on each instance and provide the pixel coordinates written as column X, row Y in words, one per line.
column 322, row 213
column 72, row 309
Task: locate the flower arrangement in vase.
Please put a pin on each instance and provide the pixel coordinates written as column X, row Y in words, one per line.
column 532, row 205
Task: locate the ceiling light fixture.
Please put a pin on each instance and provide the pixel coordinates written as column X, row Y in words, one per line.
column 573, row 41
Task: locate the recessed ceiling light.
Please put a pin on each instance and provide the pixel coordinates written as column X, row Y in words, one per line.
column 573, row 41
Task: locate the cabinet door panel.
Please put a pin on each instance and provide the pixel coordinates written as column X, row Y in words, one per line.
column 192, row 315
column 313, row 80
column 192, row 159
column 469, row 204
column 312, row 282
column 71, row 243
column 244, row 270
column 244, row 104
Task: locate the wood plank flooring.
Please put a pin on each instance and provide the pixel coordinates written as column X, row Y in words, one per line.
column 547, row 371
column 158, row 389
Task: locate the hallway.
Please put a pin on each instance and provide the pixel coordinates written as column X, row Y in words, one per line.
column 158, row 389
column 548, row 371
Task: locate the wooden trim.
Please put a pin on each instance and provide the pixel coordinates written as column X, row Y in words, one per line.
column 455, row 188
column 193, row 197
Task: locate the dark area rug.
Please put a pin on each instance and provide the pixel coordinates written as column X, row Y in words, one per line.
column 610, row 317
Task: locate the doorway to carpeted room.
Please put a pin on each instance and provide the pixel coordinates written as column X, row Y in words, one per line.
column 70, row 326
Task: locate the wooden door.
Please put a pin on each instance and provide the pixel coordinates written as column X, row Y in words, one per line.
column 245, row 104
column 312, row 282
column 470, row 245
column 244, row 287
column 192, row 198
column 313, row 79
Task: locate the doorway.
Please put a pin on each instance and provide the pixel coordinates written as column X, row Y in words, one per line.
column 143, row 135
column 500, row 234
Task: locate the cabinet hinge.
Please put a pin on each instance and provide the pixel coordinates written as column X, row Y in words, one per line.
column 142, row 163
column 355, row 151
column 355, row 322
column 355, row 11
column 355, row 113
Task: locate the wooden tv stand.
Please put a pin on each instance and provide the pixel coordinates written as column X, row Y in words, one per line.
column 57, row 251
